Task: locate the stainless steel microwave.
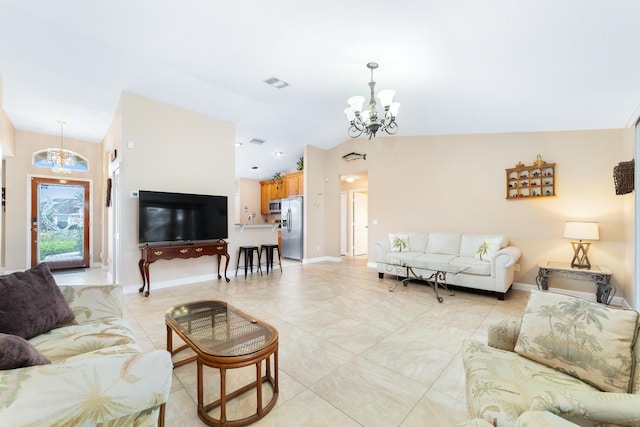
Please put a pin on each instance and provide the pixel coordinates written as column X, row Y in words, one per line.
column 275, row 206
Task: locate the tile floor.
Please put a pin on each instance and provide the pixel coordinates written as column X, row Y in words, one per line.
column 351, row 352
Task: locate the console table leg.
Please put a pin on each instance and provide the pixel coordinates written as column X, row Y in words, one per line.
column 144, row 283
column 542, row 280
column 603, row 292
column 226, row 265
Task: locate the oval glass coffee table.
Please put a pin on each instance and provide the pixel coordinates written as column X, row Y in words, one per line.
column 224, row 337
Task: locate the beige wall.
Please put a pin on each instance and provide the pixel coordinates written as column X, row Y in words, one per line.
column 249, row 203
column 457, row 183
column 18, row 171
column 174, row 150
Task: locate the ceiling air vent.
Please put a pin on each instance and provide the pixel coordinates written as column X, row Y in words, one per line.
column 257, row 141
column 277, row 83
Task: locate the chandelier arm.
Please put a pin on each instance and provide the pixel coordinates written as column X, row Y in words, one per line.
column 391, row 128
column 354, row 132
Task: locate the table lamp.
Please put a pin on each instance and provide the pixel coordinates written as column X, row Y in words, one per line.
column 582, row 232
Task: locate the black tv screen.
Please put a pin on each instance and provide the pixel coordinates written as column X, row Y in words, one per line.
column 180, row 217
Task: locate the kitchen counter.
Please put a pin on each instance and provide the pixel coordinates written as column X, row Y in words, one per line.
column 242, row 227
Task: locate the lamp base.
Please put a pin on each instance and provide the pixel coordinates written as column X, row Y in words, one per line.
column 580, row 259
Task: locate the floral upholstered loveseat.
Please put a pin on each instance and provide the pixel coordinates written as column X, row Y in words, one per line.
column 566, row 362
column 87, row 370
column 489, row 260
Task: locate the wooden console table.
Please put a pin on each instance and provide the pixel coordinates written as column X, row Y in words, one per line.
column 153, row 253
column 598, row 274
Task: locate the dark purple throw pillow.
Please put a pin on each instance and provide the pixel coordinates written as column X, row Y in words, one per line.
column 31, row 303
column 16, row 352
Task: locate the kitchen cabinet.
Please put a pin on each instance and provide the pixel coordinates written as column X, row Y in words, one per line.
column 279, row 189
column 291, row 184
column 295, row 183
column 265, row 196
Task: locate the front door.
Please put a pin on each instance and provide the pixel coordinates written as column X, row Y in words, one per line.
column 59, row 223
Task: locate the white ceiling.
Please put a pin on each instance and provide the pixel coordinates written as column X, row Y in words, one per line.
column 464, row 66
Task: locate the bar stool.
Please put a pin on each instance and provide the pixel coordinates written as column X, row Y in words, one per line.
column 248, row 258
column 269, row 248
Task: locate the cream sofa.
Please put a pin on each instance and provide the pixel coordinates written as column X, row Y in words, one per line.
column 494, row 272
column 97, row 375
column 566, row 362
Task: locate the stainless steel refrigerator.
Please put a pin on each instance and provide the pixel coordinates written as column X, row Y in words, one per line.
column 291, row 211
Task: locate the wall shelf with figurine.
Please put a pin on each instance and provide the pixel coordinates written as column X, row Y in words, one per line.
column 526, row 182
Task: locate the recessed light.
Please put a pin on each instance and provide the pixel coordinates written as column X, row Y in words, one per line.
column 238, row 144
column 279, row 153
column 254, row 167
column 257, row 141
column 349, row 179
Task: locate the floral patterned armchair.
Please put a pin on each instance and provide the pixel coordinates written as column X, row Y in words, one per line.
column 566, row 362
column 98, row 375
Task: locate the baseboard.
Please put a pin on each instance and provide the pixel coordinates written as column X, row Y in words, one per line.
column 162, row 284
column 321, row 259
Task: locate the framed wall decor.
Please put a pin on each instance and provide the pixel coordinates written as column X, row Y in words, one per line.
column 537, row 180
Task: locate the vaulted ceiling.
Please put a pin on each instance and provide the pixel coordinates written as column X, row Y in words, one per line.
column 464, row 66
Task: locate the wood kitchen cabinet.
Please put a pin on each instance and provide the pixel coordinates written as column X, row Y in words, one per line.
column 265, row 196
column 295, row 183
column 279, row 189
column 292, row 184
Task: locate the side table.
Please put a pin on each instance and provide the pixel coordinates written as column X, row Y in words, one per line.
column 598, row 274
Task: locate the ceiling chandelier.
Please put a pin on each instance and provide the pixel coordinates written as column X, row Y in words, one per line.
column 60, row 159
column 368, row 121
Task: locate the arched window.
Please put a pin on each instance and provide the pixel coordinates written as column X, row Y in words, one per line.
column 60, row 160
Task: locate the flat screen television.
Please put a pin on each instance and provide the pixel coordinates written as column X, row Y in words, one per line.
column 179, row 217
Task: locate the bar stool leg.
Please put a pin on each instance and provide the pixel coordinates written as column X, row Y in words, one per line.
column 279, row 259
column 238, row 262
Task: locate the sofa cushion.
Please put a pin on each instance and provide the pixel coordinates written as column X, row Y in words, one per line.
column 433, row 259
column 64, row 343
column 418, row 242
column 469, row 243
column 472, row 265
column 398, row 242
column 587, row 340
column 16, row 352
column 31, row 303
column 443, row 243
column 501, row 384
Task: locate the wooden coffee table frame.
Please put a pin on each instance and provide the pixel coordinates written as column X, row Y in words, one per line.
column 222, row 363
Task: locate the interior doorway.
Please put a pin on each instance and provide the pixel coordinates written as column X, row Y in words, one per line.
column 354, row 215
column 60, row 212
column 360, row 223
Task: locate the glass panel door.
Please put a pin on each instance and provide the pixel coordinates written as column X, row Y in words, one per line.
column 60, row 223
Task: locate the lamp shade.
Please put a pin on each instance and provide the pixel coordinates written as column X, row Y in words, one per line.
column 581, row 230
column 395, row 106
column 386, row 97
column 355, row 102
column 351, row 116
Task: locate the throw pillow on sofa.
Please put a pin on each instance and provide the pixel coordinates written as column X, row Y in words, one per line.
column 398, row 242
column 16, row 352
column 487, row 249
column 31, row 303
column 584, row 339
